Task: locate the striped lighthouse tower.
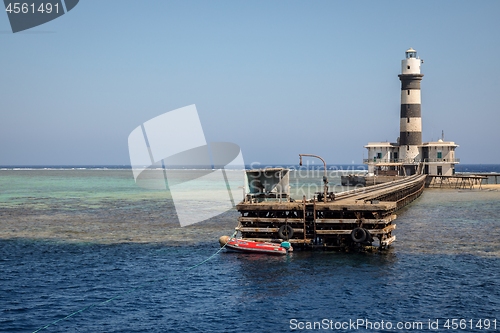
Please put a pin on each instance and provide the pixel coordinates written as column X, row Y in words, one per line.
column 410, row 137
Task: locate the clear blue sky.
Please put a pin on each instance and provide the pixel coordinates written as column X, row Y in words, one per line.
column 278, row 78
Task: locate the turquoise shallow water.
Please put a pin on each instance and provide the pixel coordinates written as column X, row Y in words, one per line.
column 106, row 206
column 73, row 238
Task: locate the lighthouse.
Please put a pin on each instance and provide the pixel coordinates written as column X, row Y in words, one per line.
column 410, row 128
column 409, row 155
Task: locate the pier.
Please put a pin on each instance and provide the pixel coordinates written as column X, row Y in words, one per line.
column 488, row 176
column 461, row 181
column 455, row 181
column 338, row 221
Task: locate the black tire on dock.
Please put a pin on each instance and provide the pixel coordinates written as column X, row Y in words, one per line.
column 368, row 237
column 358, row 235
column 285, row 232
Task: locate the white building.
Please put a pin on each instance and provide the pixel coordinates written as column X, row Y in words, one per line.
column 409, row 155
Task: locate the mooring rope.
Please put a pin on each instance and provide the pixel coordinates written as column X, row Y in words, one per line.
column 131, row 290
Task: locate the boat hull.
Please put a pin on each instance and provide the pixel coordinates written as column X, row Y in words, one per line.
column 241, row 245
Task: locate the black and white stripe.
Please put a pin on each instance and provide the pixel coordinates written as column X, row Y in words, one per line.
column 411, row 121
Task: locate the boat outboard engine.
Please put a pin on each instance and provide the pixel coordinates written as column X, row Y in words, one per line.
column 287, row 246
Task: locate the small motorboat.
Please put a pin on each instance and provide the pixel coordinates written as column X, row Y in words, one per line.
column 248, row 246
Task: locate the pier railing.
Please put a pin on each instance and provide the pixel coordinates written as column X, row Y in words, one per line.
column 415, row 161
column 451, row 160
column 386, row 160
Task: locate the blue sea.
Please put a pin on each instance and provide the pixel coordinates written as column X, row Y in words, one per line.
column 84, row 249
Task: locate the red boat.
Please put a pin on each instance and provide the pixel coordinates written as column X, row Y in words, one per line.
column 248, row 246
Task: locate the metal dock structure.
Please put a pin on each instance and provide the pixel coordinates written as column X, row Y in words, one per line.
column 455, row 181
column 358, row 218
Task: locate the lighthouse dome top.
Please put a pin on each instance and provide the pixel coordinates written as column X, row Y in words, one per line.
column 411, row 63
column 411, row 53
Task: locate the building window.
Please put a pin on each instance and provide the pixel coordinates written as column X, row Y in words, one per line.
column 408, row 67
column 408, row 119
column 408, row 91
column 379, row 155
column 439, row 154
column 440, row 170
